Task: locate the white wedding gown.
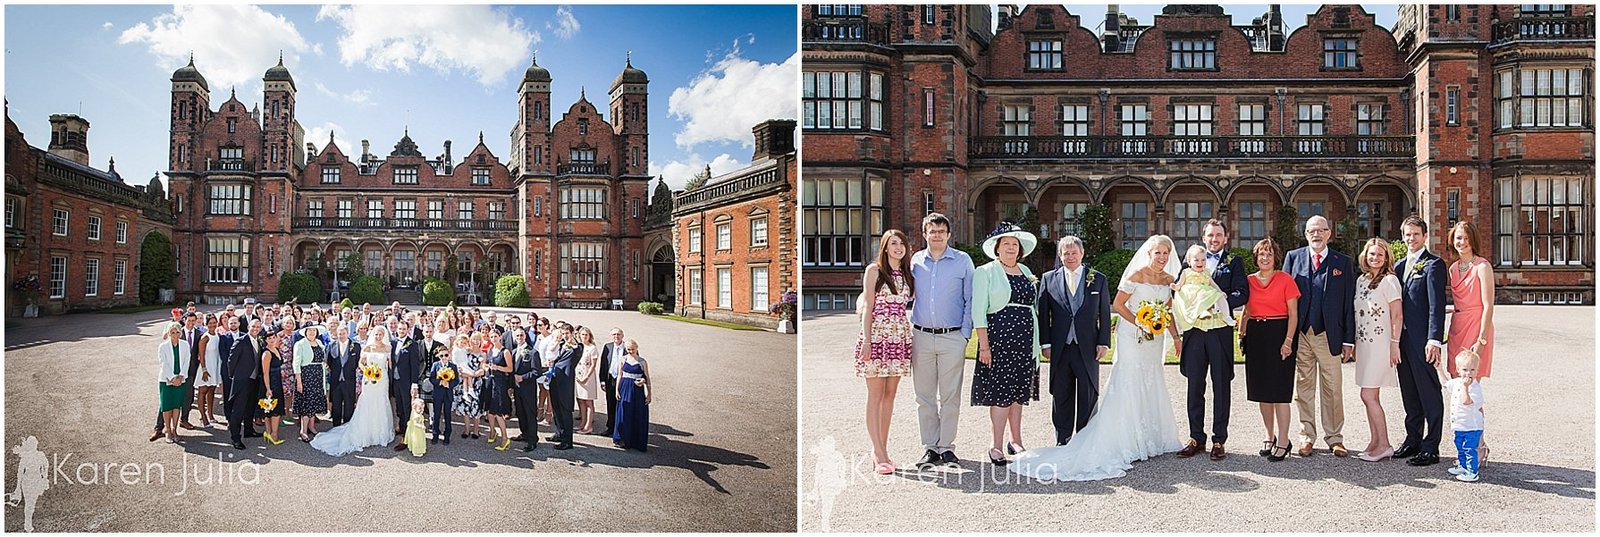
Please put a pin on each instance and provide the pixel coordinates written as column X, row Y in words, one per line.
column 372, row 423
column 1134, row 420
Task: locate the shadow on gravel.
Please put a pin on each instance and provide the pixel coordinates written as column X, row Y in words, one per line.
column 589, row 450
column 1163, row 475
column 24, row 333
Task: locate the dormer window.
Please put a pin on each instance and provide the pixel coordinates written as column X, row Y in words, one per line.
column 480, row 176
column 405, row 175
column 1193, row 54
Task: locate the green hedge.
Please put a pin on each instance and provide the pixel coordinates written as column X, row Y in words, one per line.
column 299, row 287
column 1249, row 259
column 1112, row 263
column 156, row 267
column 436, row 293
column 511, row 291
column 650, row 308
column 367, row 289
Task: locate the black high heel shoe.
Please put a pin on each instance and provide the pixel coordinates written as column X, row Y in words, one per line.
column 1266, row 448
column 1013, row 448
column 997, row 461
column 1279, row 452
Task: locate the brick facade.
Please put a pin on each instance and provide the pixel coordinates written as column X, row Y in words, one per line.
column 574, row 183
column 744, row 202
column 1188, row 118
column 39, row 183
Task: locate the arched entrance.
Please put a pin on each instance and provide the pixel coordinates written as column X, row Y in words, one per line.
column 662, row 276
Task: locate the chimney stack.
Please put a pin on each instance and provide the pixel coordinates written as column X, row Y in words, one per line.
column 69, row 138
column 1113, row 30
column 366, row 151
column 1274, row 28
column 774, row 138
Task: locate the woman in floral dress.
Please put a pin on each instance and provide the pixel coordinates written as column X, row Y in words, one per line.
column 883, row 352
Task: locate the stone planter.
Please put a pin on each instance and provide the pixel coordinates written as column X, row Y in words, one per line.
column 30, row 311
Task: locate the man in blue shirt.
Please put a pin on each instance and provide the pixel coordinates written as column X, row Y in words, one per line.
column 942, row 318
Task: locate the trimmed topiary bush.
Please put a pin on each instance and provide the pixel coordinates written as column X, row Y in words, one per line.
column 1112, row 263
column 346, row 303
column 650, row 308
column 436, row 293
column 511, row 291
column 367, row 289
column 299, row 287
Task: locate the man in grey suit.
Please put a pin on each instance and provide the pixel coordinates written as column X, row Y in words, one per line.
column 1074, row 312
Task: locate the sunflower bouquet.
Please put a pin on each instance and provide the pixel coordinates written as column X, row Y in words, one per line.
column 446, row 374
column 372, row 373
column 1153, row 318
column 268, row 403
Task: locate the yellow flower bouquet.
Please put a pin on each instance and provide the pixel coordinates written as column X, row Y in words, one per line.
column 268, row 403
column 1154, row 318
column 446, row 375
column 372, row 373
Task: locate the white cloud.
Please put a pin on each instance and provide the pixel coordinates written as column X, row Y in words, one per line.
column 726, row 101
column 565, row 25
column 318, row 135
column 479, row 40
column 676, row 173
column 226, row 56
column 358, row 97
column 107, row 25
column 317, row 49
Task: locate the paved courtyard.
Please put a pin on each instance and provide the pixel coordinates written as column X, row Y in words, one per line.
column 1541, row 415
column 721, row 456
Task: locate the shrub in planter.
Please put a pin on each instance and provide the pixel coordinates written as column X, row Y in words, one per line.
column 511, row 291
column 650, row 308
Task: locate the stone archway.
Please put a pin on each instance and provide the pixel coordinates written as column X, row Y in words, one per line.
column 663, row 276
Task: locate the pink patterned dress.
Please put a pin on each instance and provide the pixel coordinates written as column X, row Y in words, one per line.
column 891, row 334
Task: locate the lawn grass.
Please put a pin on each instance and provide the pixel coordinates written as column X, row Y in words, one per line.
column 718, row 324
column 1171, row 356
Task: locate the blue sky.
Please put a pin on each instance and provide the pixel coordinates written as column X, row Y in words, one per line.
column 369, row 71
column 1294, row 15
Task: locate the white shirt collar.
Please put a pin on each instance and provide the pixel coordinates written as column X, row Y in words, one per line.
column 1323, row 252
column 1411, row 257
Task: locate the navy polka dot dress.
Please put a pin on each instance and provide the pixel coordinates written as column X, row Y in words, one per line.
column 1013, row 374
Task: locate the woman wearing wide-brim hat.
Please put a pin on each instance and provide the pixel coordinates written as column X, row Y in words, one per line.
column 1007, row 374
column 311, row 379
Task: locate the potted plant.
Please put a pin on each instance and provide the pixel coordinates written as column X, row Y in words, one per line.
column 28, row 287
column 785, row 309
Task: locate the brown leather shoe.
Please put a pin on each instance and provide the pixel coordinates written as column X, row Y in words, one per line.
column 186, row 425
column 1217, row 453
column 1340, row 451
column 1305, row 450
column 1191, row 449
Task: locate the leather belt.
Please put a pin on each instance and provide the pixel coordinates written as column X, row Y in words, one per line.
column 936, row 331
column 1283, row 318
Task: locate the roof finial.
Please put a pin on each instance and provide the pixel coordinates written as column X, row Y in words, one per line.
column 191, row 58
column 280, row 57
column 408, row 131
column 583, row 93
column 233, row 93
column 480, row 137
column 630, row 58
column 113, row 166
column 330, row 136
column 536, row 57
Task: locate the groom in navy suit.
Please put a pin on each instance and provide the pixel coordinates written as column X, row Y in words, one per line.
column 1209, row 349
column 1422, row 306
column 1327, row 281
column 1074, row 320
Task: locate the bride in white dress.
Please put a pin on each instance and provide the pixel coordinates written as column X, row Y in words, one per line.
column 372, row 422
column 1134, row 419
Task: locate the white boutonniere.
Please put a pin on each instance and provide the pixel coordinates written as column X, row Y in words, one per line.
column 1088, row 279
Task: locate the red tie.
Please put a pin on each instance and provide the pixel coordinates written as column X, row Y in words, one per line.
column 1316, row 262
